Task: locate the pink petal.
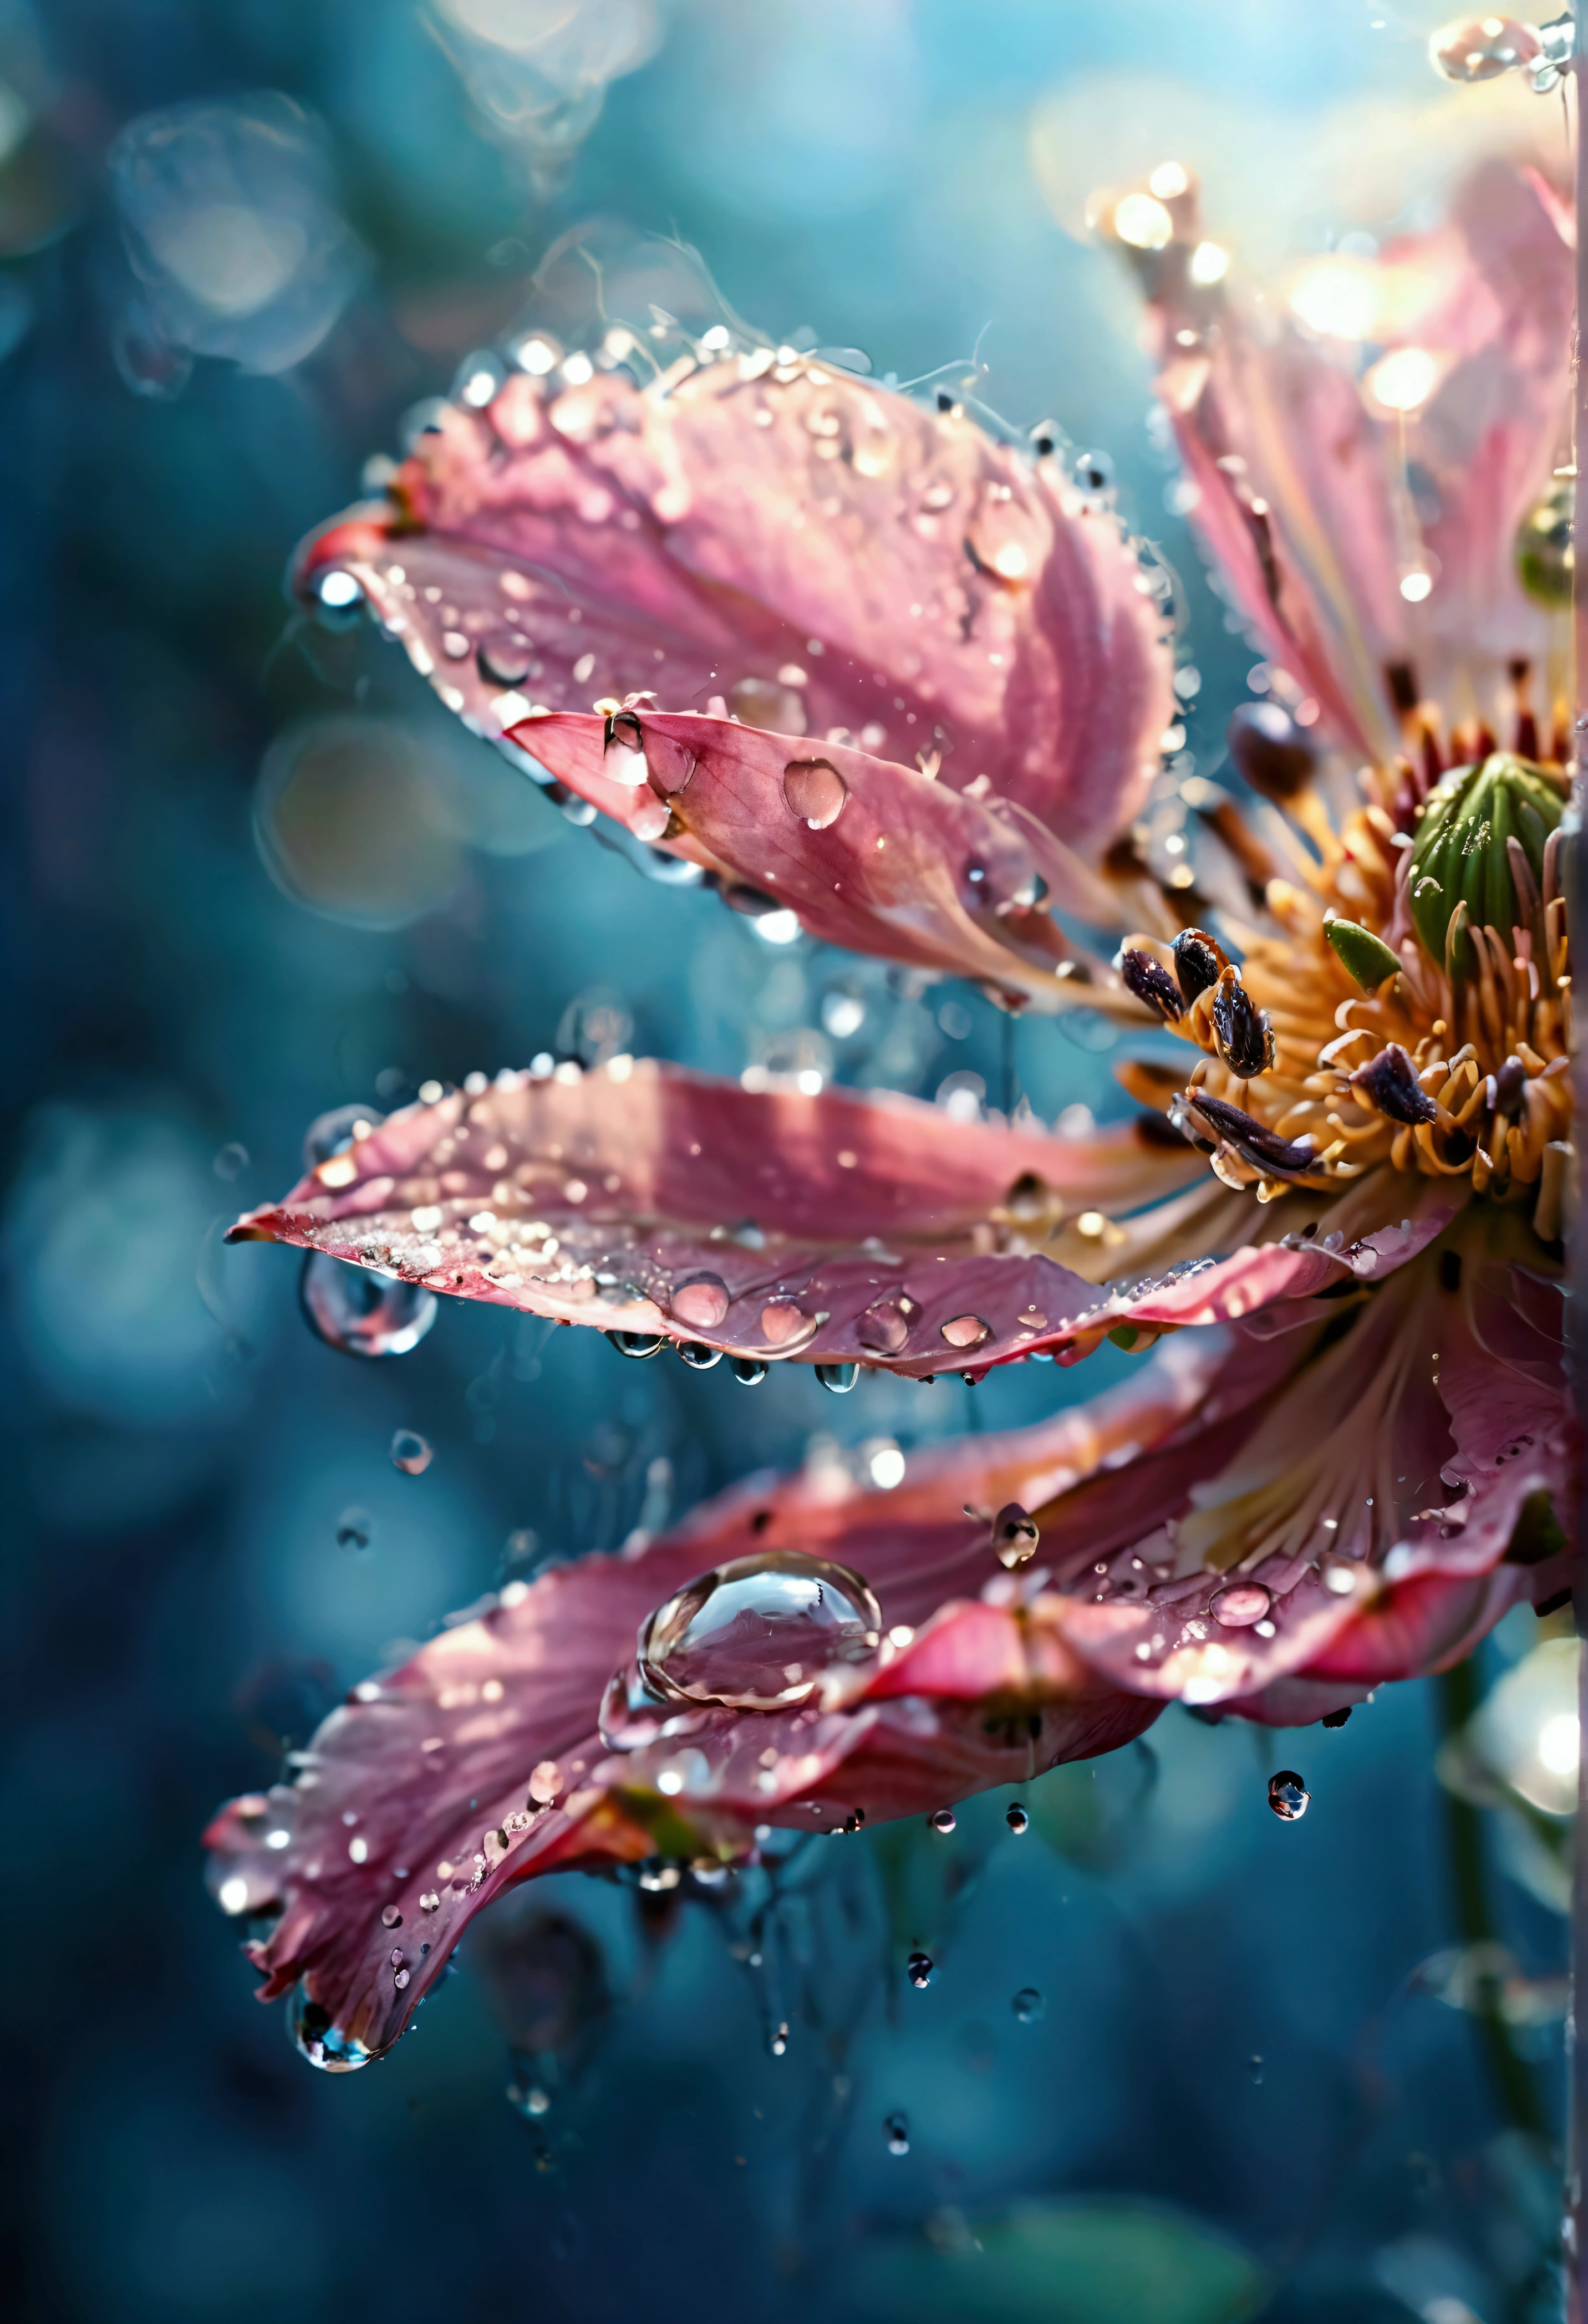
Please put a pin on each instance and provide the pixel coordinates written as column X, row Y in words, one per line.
column 932, row 590
column 831, row 1229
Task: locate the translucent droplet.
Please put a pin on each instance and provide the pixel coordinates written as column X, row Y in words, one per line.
column 759, row 1634
column 885, row 1327
column 698, row 1356
column 1028, row 2005
column 231, row 1161
column 943, row 1819
column 896, row 2131
column 965, row 1331
column 355, row 1529
column 1240, row 1605
column 360, row 1314
column 319, row 2040
column 1016, row 1817
column 1288, row 1795
column 1014, row 1536
column 411, row 1453
column 504, row 660
column 1481, row 47
column 749, row 1371
column 814, row 791
column 918, row 1969
column 334, row 1132
column 1254, row 2068
column 702, row 1303
column 638, row 1344
column 766, row 703
column 837, row 1379
column 1093, row 474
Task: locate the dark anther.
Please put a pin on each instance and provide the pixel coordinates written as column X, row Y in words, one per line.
column 1270, row 751
column 621, row 727
column 1510, row 1083
column 760, row 1520
column 1245, row 1038
column 1150, row 981
column 944, row 401
column 1153, row 1130
column 1450, row 1270
column 1198, row 1117
column 1552, row 1605
column 1199, row 961
column 1391, row 1081
column 1335, row 1718
column 1402, row 681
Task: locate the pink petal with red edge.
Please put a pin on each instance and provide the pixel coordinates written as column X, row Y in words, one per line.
column 822, row 553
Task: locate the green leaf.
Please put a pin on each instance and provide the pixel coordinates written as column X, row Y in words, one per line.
column 1093, row 2262
column 1363, row 954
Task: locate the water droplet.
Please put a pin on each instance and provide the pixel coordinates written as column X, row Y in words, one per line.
column 411, row 1453
column 504, row 660
column 1028, row 2005
column 1014, row 1536
column 390, row 1918
column 1481, row 47
column 532, row 2100
column 698, row 1356
column 1288, row 1795
column 814, row 792
column 339, row 600
column 965, row 1331
column 896, row 2131
column 1016, row 1817
column 319, row 2040
column 702, row 1302
column 1254, row 2068
column 360, row 1314
column 334, row 1132
column 943, row 1819
column 231, row 1161
column 749, row 1371
column 777, row 2040
column 760, row 1632
column 1240, row 1605
column 918, row 1969
column 837, row 1379
column 355, row 1529
column 775, row 707
column 638, row 1344
column 1093, row 474
column 885, row 1327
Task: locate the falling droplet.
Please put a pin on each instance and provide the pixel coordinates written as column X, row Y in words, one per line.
column 837, row 1379
column 638, row 1344
column 943, row 1819
column 411, row 1453
column 814, row 792
column 1288, row 1795
column 1240, row 1605
column 698, row 1356
column 1016, row 1817
column 749, row 1371
column 1254, row 2068
column 760, row 1632
column 355, row 1529
column 896, row 2131
column 1028, row 2005
column 1014, row 1536
column 360, row 1314
column 918, row 1969
column 319, row 2040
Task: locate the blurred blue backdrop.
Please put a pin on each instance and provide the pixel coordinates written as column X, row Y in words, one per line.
column 251, row 873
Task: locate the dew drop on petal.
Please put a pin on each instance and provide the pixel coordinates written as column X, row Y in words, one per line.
column 760, row 1632
column 814, row 792
column 702, row 1303
column 334, row 1132
column 782, row 1321
column 411, row 1452
column 919, row 1969
column 1288, row 1795
column 965, row 1331
column 1016, row 1817
column 1014, row 1536
column 360, row 1314
column 884, row 1328
column 1028, row 2005
column 1481, row 47
column 942, row 1820
column 896, row 2131
column 1240, row 1605
column 319, row 2040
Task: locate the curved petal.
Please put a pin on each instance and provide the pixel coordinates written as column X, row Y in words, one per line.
column 826, row 555
column 772, row 1225
column 1323, row 483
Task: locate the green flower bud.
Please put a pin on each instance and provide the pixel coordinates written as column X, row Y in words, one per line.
column 1460, row 856
column 1544, row 545
column 1363, row 954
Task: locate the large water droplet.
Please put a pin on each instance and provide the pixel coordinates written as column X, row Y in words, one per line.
column 319, row 2040
column 638, row 1344
column 749, row 1371
column 918, row 1969
column 814, row 791
column 698, row 1356
column 1014, row 1536
column 1288, row 1795
column 333, row 1132
column 885, row 1326
column 504, row 660
column 1481, row 47
column 1241, row 1604
column 411, row 1452
column 837, row 1379
column 764, row 702
column 1028, row 2005
column 702, row 1303
column 759, row 1634
column 965, row 1331
column 896, row 2131
column 360, row 1314
column 1016, row 1817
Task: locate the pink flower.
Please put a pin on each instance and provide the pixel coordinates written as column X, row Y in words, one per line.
column 1355, row 1451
